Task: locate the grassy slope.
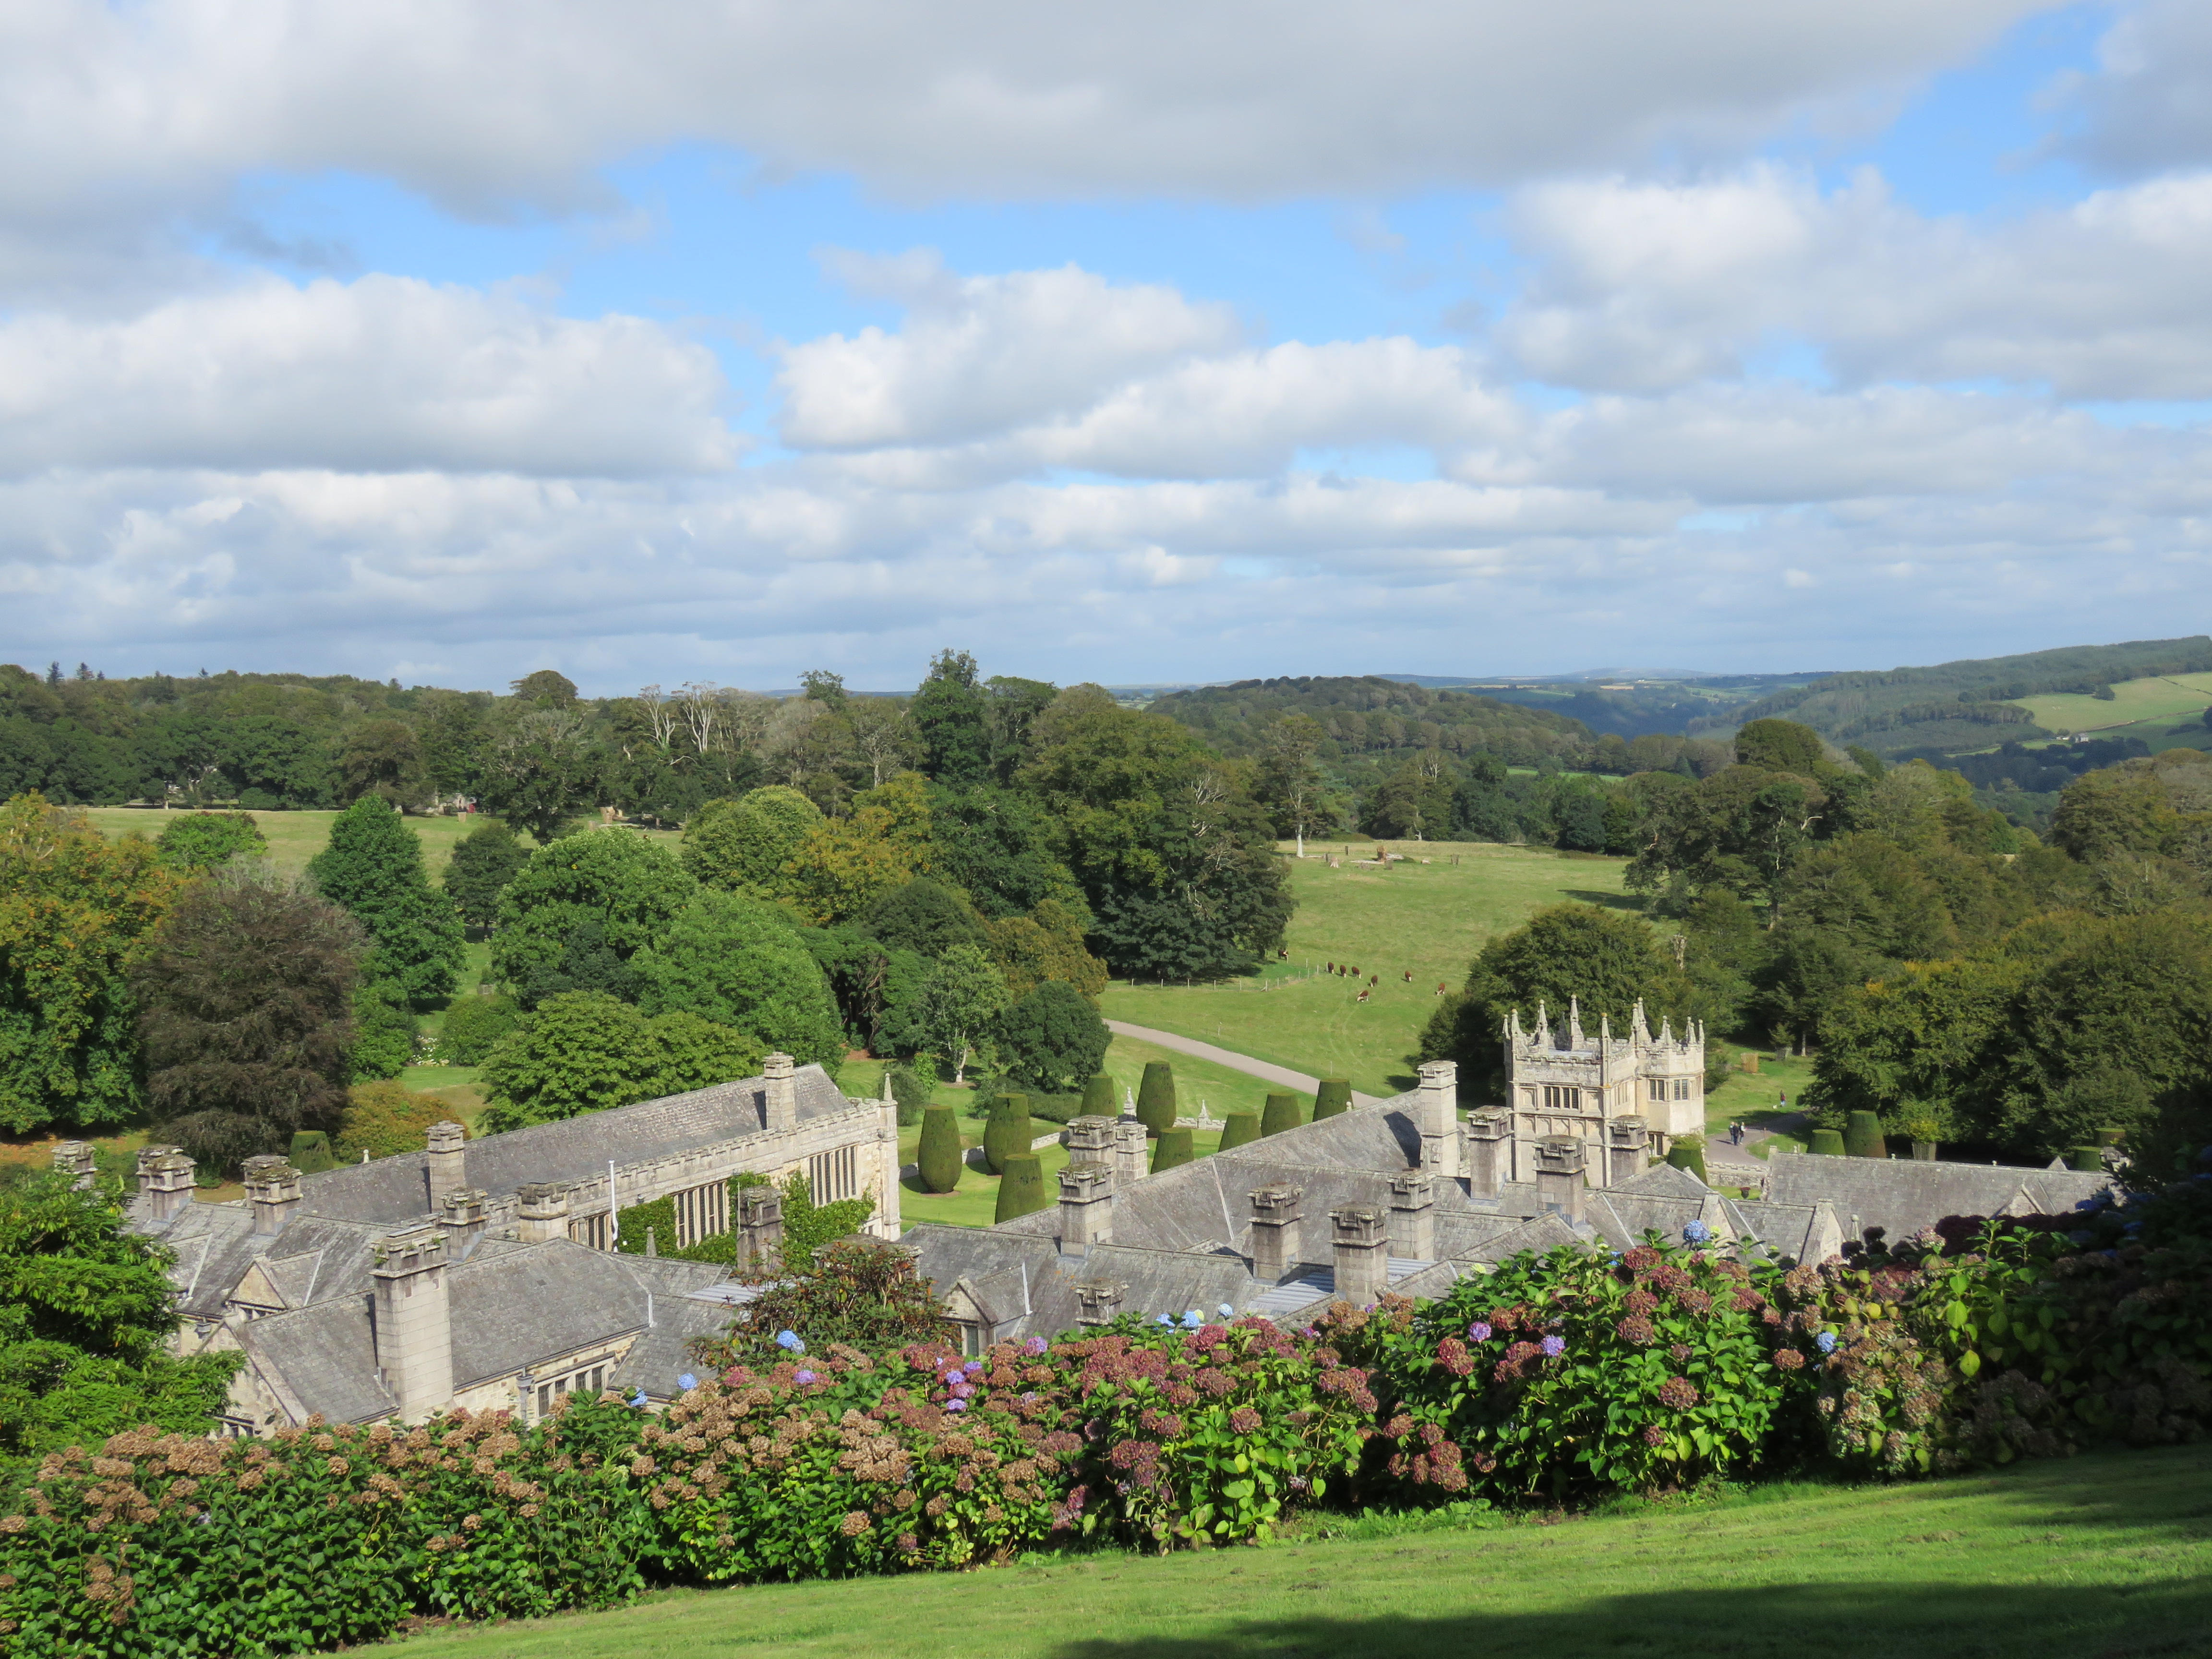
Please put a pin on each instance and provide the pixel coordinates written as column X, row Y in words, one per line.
column 2162, row 701
column 1428, row 918
column 2106, row 1555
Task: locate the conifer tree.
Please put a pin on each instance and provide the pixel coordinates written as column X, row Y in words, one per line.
column 1021, row 1189
column 1173, row 1150
column 1005, row 1132
column 1335, row 1096
column 373, row 870
column 939, row 1155
column 1239, row 1129
column 1281, row 1114
column 1155, row 1097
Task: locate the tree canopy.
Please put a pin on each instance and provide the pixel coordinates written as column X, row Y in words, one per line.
column 373, row 870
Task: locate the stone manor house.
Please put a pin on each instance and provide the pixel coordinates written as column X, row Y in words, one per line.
column 482, row 1274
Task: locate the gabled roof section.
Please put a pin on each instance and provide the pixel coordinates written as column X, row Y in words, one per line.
column 1901, row 1195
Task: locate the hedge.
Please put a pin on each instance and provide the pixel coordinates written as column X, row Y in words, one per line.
column 1155, row 1097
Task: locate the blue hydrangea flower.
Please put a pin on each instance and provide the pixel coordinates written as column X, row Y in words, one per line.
column 805, row 1376
column 956, row 1405
column 1554, row 1347
column 1164, row 1319
column 639, row 1399
column 1697, row 1232
column 687, row 1381
column 2079, row 1235
column 1226, row 1311
column 1192, row 1320
column 1035, row 1345
column 789, row 1340
column 1826, row 1342
column 1479, row 1332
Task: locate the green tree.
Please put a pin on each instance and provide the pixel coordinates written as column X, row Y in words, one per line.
column 78, row 913
column 939, row 1157
column 1415, row 800
column 373, row 870
column 383, row 758
column 2101, row 814
column 925, row 916
column 739, row 963
column 1742, row 829
column 87, row 1312
column 245, row 1005
column 584, row 1052
column 631, row 887
column 1605, row 962
column 820, row 685
column 542, row 774
column 950, row 717
column 483, row 862
column 1774, row 745
column 1006, row 1130
column 1289, row 784
column 961, row 998
column 546, row 689
column 998, row 847
column 193, row 842
column 451, row 732
column 1155, row 1097
column 845, row 865
column 1052, row 1039
column 741, row 846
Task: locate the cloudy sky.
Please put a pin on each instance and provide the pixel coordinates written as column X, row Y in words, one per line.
column 445, row 339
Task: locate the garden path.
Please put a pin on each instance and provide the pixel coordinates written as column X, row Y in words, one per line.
column 1233, row 1061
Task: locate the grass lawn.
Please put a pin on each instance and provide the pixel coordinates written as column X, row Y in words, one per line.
column 2162, row 700
column 1752, row 1098
column 1428, row 919
column 2096, row 1555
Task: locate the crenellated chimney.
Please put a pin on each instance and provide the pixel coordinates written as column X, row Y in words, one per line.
column 779, row 1093
column 1487, row 1138
column 760, row 1226
column 447, row 1162
column 414, row 1323
column 1098, row 1300
column 463, row 1215
column 1559, row 1160
column 1086, row 1207
column 75, row 1158
column 165, row 1184
column 1413, row 1216
column 1438, row 1112
column 1363, row 1254
column 541, row 1212
column 1626, row 1139
column 272, row 1186
column 1275, row 1231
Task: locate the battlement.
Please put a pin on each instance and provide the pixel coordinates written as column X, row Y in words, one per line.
column 1541, row 1041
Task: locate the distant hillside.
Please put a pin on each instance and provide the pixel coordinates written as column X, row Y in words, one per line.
column 1960, row 705
column 1370, row 715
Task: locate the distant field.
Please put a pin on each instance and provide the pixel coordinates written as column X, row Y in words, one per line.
column 2091, row 1556
column 295, row 837
column 1428, row 919
column 2162, row 700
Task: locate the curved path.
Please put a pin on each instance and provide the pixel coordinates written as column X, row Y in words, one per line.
column 1235, row 1062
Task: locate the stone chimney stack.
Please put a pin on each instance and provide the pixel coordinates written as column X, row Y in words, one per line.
column 75, row 1158
column 463, row 1214
column 1130, row 1160
column 1363, row 1254
column 272, row 1186
column 1627, row 1139
column 446, row 1161
column 1091, row 1140
column 1413, row 1216
column 760, row 1226
column 1086, row 1207
column 1560, row 1176
column 165, row 1183
column 780, row 1109
column 1439, row 1116
column 1275, row 1231
column 541, row 1212
column 1098, row 1300
column 414, row 1323
column 1488, row 1140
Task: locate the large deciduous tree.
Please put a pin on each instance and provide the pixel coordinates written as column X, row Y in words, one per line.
column 373, row 870
column 960, row 998
column 741, row 846
column 629, row 888
column 193, row 842
column 383, row 758
column 482, row 864
column 77, row 913
column 245, row 1014
column 739, row 963
column 542, row 774
column 584, row 1052
column 1052, row 1039
column 952, row 719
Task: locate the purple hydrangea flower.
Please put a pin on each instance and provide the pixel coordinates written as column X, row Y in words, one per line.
column 956, row 1405
column 790, row 1342
column 1696, row 1232
column 1035, row 1345
column 1826, row 1342
column 974, row 1368
column 687, row 1381
column 1554, row 1347
column 639, row 1399
column 806, row 1376
column 1164, row 1319
column 1479, row 1332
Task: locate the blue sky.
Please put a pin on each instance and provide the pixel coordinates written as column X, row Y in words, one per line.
column 683, row 343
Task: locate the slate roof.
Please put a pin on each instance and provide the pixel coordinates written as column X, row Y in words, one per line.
column 393, row 1191
column 515, row 1308
column 1902, row 1196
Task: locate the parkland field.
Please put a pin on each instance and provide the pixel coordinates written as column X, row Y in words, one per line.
column 2107, row 1555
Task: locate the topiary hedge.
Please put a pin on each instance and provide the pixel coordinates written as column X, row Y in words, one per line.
column 1171, row 1151
column 1006, row 1132
column 1155, row 1097
column 939, row 1157
column 1280, row 1113
column 1239, row 1129
column 1333, row 1096
column 1021, row 1187
column 1863, row 1135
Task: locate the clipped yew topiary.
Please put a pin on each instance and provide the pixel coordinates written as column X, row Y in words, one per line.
column 1155, row 1097
column 1335, row 1096
column 1172, row 1151
column 1021, row 1189
column 1098, row 1097
column 938, row 1156
column 1238, row 1128
column 1829, row 1143
column 1281, row 1113
column 311, row 1152
column 1688, row 1153
column 1005, row 1132
column 1863, row 1136
column 2089, row 1160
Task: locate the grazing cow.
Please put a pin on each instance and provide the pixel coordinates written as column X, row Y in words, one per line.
column 1362, row 995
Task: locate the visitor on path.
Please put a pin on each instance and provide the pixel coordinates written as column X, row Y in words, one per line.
column 1735, row 1134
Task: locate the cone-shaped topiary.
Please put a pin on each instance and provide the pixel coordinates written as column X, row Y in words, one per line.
column 1005, row 1132
column 1239, row 1128
column 1021, row 1189
column 2089, row 1160
column 1173, row 1150
column 311, row 1152
column 1334, row 1096
column 1688, row 1153
column 938, row 1156
column 1281, row 1114
column 1828, row 1142
column 1098, row 1097
column 1155, row 1097
column 1863, row 1136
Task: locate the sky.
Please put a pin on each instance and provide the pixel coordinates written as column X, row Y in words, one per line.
column 443, row 340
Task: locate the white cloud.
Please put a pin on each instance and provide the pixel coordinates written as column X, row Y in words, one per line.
column 2150, row 108
column 382, row 375
column 1640, row 286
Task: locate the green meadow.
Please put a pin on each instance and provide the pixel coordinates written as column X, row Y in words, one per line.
column 1427, row 918
column 2162, row 701
column 2108, row 1555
